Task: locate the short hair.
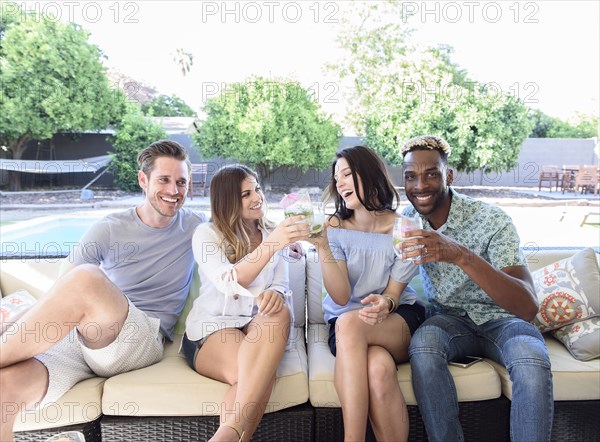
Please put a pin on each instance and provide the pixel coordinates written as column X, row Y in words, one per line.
column 162, row 148
column 379, row 191
column 428, row 142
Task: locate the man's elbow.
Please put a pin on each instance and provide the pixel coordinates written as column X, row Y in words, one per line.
column 530, row 310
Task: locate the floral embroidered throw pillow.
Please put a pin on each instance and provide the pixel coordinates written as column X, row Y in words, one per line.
column 582, row 339
column 568, row 291
column 13, row 306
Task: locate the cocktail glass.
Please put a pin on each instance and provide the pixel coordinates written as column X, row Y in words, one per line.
column 405, row 224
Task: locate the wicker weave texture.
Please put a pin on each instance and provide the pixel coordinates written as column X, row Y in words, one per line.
column 482, row 420
column 91, row 431
column 329, row 426
column 576, row 421
column 294, row 425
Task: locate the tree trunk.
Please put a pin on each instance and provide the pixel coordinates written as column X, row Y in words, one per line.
column 264, row 172
column 14, row 177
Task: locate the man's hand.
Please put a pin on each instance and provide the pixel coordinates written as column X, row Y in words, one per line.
column 437, row 247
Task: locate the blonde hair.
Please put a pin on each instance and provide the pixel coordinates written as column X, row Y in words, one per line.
column 430, row 142
column 226, row 208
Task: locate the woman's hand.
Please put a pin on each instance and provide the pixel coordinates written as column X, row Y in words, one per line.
column 320, row 240
column 288, row 231
column 269, row 302
column 376, row 309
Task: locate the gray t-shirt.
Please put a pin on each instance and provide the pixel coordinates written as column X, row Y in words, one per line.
column 151, row 266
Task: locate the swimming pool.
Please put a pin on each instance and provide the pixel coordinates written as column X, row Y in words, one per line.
column 45, row 237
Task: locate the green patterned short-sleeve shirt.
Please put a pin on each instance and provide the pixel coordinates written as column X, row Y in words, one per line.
column 486, row 231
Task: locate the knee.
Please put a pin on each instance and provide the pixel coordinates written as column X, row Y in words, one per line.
column 526, row 349
column 349, row 336
column 429, row 338
column 85, row 274
column 84, row 279
column 381, row 372
column 347, row 325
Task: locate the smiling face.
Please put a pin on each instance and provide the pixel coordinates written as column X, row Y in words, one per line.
column 344, row 184
column 165, row 189
column 253, row 207
column 426, row 181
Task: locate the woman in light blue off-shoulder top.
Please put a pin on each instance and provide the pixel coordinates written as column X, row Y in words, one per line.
column 370, row 308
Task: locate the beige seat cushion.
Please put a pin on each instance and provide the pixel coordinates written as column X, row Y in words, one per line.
column 573, row 380
column 35, row 276
column 82, row 403
column 476, row 383
column 172, row 388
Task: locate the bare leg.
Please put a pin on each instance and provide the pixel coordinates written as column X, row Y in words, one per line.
column 387, row 408
column 82, row 297
column 248, row 363
column 351, row 377
column 228, row 407
column 21, row 385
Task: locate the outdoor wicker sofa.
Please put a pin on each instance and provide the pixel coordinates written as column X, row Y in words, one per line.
column 170, row 402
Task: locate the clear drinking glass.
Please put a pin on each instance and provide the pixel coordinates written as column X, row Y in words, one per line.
column 67, row 436
column 300, row 204
column 318, row 220
column 401, row 225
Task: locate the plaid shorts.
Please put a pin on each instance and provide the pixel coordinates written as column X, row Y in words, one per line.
column 139, row 344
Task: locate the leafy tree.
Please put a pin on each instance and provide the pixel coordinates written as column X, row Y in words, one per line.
column 134, row 132
column 165, row 106
column 541, row 123
column 51, row 81
column 545, row 126
column 400, row 90
column 586, row 126
column 9, row 14
column 267, row 124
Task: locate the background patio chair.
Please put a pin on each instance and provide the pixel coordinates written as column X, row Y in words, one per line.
column 198, row 179
column 568, row 177
column 587, row 179
column 549, row 174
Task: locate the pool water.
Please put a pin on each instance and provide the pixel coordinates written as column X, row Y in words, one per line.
column 43, row 237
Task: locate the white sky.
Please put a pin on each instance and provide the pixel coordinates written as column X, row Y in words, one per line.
column 545, row 51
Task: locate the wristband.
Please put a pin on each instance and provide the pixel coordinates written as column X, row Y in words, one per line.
column 393, row 303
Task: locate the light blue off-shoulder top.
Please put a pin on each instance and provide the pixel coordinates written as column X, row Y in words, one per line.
column 371, row 261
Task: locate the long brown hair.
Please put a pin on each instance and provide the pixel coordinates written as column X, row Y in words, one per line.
column 378, row 189
column 226, row 208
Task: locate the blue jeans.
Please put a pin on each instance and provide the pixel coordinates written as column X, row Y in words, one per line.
column 512, row 342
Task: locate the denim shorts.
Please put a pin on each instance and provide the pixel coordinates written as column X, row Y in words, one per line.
column 190, row 349
column 413, row 314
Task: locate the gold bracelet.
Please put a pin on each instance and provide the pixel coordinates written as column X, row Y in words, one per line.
column 393, row 303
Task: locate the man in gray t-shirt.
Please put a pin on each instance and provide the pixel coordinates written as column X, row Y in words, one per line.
column 119, row 300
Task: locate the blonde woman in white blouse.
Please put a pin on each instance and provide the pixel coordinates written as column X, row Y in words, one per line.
column 238, row 327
